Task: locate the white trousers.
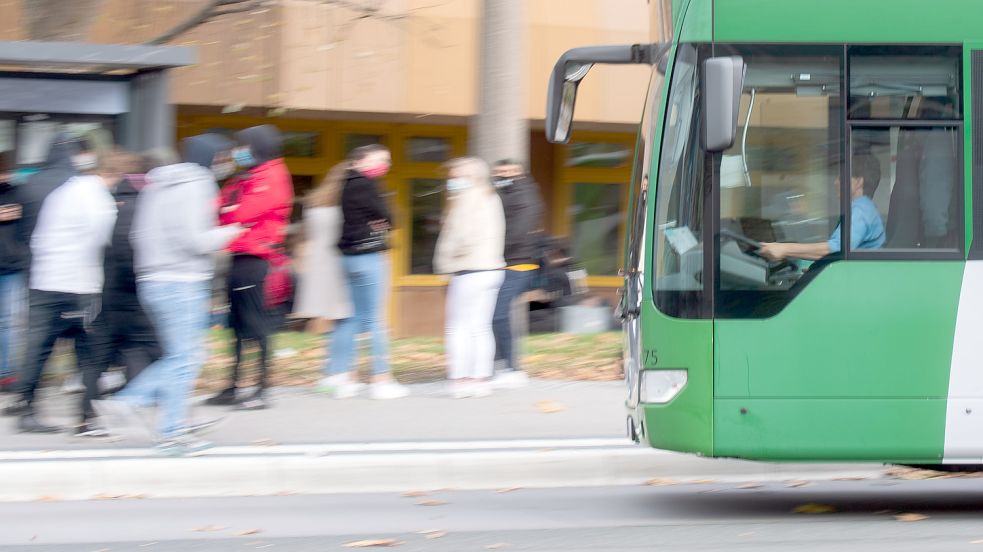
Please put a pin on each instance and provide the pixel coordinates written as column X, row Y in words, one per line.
column 470, row 342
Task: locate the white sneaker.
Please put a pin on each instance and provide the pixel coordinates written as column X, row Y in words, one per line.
column 73, row 385
column 459, row 389
column 340, row 386
column 514, row 379
column 111, row 380
column 388, row 390
column 123, row 419
column 481, row 389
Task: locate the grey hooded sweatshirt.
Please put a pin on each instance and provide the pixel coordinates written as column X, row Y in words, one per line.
column 175, row 232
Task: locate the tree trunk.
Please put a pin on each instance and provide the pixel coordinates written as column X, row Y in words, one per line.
column 500, row 130
column 60, row 20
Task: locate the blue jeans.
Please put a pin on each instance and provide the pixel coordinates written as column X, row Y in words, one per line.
column 180, row 313
column 12, row 309
column 516, row 283
column 367, row 275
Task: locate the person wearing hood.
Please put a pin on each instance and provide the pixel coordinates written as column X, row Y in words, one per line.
column 72, row 229
column 174, row 236
column 470, row 248
column 261, row 200
column 14, row 255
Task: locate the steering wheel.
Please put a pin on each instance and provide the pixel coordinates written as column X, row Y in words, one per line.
column 773, row 266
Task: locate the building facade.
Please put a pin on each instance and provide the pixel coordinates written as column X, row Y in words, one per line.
column 334, row 77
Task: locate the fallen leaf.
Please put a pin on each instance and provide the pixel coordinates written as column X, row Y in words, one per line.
column 372, row 542
column 980, row 541
column 661, row 482
column 910, row 517
column 813, row 508
column 415, row 494
column 104, row 496
column 248, row 532
column 496, row 546
column 750, row 486
column 431, row 503
column 549, row 407
column 701, row 481
column 795, row 484
column 436, row 535
column 264, row 443
column 507, row 490
column 209, row 529
column 854, row 478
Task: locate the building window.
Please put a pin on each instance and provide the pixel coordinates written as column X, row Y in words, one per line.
column 596, row 218
column 426, row 196
column 598, row 155
column 353, row 141
column 301, row 144
column 428, row 149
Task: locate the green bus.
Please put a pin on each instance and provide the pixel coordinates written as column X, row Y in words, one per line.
column 771, row 130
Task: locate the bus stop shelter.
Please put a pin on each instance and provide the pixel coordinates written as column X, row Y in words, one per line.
column 46, row 87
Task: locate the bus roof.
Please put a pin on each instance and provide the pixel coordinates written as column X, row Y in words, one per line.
column 831, row 21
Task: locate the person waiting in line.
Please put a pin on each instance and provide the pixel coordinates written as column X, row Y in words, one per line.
column 470, row 248
column 261, row 200
column 523, row 221
column 322, row 291
column 866, row 226
column 174, row 236
column 363, row 245
column 73, row 228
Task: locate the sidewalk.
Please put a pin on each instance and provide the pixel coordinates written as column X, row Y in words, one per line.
column 302, row 416
column 549, row 434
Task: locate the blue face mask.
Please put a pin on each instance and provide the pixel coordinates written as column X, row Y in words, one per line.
column 243, row 157
column 457, row 184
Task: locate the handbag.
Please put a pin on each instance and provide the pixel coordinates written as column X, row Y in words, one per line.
column 278, row 285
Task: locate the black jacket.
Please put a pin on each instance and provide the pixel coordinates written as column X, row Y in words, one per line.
column 120, row 290
column 523, row 218
column 14, row 251
column 361, row 203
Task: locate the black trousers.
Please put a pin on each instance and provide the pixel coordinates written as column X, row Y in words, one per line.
column 248, row 315
column 52, row 315
column 119, row 338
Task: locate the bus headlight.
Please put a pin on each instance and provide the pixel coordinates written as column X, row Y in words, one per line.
column 662, row 386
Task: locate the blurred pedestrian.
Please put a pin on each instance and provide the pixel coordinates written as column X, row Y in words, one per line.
column 523, row 221
column 123, row 333
column 14, row 262
column 174, row 235
column 261, row 200
column 73, row 229
column 322, row 291
column 470, row 249
column 363, row 243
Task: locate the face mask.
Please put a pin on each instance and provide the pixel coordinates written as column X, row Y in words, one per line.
column 243, row 157
column 501, row 181
column 223, row 170
column 457, row 184
column 376, row 171
column 84, row 162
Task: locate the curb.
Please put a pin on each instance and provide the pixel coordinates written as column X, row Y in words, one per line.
column 244, row 471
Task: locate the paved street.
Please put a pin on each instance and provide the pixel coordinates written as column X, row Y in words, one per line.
column 681, row 517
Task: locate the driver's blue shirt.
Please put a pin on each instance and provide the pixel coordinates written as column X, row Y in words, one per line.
column 866, row 227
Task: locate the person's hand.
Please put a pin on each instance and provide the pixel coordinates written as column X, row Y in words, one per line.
column 228, row 208
column 10, row 212
column 238, row 228
column 773, row 251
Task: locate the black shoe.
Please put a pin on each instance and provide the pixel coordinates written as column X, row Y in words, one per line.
column 17, row 408
column 90, row 429
column 29, row 423
column 225, row 398
column 256, row 401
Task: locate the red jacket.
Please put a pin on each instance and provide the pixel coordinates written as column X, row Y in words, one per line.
column 260, row 200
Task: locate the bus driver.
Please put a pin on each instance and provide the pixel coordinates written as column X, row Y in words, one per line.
column 866, row 231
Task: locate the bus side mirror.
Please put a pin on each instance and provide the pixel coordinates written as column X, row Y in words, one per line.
column 574, row 65
column 723, row 83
